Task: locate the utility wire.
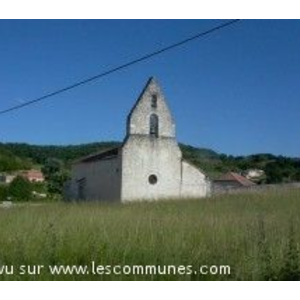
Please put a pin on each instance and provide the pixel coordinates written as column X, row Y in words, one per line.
column 126, row 65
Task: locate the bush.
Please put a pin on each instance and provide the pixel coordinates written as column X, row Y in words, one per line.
column 20, row 189
column 55, row 175
column 3, row 192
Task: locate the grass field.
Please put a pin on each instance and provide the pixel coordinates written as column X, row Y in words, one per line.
column 257, row 235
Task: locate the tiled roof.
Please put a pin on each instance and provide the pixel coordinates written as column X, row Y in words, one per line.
column 33, row 174
column 231, row 176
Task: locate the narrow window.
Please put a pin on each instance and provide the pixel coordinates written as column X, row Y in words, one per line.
column 154, row 101
column 154, row 125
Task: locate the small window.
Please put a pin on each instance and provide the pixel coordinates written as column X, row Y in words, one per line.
column 152, row 179
column 154, row 101
column 153, row 125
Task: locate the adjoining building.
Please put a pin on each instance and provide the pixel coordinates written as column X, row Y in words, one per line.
column 253, row 173
column 33, row 175
column 148, row 165
column 230, row 181
column 7, row 178
column 30, row 175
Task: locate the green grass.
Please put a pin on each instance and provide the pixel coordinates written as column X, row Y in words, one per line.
column 257, row 235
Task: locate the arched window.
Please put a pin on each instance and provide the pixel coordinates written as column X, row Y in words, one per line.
column 154, row 125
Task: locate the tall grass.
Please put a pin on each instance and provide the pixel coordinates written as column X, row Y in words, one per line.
column 257, row 235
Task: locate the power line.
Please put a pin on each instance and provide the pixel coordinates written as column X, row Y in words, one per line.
column 126, row 65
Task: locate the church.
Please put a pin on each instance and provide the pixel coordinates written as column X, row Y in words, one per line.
column 147, row 166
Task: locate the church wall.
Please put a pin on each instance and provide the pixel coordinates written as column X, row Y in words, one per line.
column 139, row 118
column 149, row 164
column 101, row 180
column 141, row 157
column 194, row 183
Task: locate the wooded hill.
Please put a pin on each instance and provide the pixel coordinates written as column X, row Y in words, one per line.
column 16, row 156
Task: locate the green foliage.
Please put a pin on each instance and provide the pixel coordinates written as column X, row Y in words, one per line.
column 39, row 187
column 20, row 189
column 283, row 170
column 14, row 156
column 278, row 169
column 40, row 154
column 52, row 166
column 3, row 192
column 10, row 162
column 55, row 175
column 205, row 159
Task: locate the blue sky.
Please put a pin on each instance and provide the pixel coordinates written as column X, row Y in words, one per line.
column 235, row 91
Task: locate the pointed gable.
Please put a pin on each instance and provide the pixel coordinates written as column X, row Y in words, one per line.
column 150, row 115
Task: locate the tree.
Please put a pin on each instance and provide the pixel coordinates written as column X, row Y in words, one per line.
column 56, row 183
column 10, row 162
column 3, row 192
column 55, row 175
column 20, row 189
column 52, row 166
column 282, row 170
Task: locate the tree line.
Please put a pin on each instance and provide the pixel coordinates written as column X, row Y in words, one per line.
column 20, row 156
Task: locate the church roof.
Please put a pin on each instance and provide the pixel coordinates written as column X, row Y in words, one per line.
column 106, row 154
column 150, row 81
column 231, row 176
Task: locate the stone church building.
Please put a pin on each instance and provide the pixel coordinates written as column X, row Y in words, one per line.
column 148, row 165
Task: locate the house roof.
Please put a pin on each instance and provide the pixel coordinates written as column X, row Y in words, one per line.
column 33, row 174
column 231, row 176
column 106, row 154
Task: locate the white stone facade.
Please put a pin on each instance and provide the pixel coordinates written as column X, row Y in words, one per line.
column 148, row 165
